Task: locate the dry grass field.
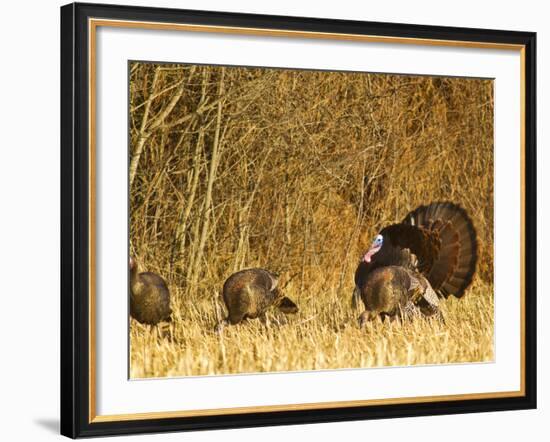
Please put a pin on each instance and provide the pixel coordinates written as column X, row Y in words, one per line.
column 324, row 335
column 296, row 171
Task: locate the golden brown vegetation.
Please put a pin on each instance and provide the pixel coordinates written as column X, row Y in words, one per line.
column 296, row 171
column 324, row 336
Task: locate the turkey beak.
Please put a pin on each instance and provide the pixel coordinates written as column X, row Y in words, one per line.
column 368, row 256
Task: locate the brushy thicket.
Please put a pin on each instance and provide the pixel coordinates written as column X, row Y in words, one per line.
column 295, row 171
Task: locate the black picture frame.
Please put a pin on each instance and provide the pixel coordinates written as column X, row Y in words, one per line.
column 75, row 220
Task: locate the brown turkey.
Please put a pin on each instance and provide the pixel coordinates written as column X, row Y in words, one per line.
column 249, row 293
column 431, row 254
column 149, row 296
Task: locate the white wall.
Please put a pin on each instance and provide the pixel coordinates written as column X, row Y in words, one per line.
column 29, row 217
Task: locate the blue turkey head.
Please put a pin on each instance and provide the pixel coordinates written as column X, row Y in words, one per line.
column 374, row 248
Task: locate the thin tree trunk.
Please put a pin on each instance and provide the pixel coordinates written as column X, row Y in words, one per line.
column 146, row 129
column 142, row 133
column 192, row 193
column 244, row 216
column 182, row 227
column 211, row 178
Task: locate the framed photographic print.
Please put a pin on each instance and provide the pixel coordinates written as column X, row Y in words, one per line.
column 274, row 220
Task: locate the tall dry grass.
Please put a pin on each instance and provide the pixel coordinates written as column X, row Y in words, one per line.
column 296, row 171
column 324, row 335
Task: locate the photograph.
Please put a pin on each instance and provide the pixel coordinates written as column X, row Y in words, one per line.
column 286, row 220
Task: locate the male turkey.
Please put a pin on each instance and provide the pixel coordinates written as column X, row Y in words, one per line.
column 249, row 293
column 149, row 296
column 431, row 254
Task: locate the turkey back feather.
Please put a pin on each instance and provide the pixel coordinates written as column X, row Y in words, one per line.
column 450, row 262
column 423, row 244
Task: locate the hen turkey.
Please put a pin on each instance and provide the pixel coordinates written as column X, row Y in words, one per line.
column 249, row 293
column 149, row 296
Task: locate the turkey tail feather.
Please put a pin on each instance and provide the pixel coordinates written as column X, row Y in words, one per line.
column 454, row 267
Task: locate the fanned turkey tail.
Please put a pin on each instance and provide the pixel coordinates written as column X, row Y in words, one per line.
column 454, row 266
